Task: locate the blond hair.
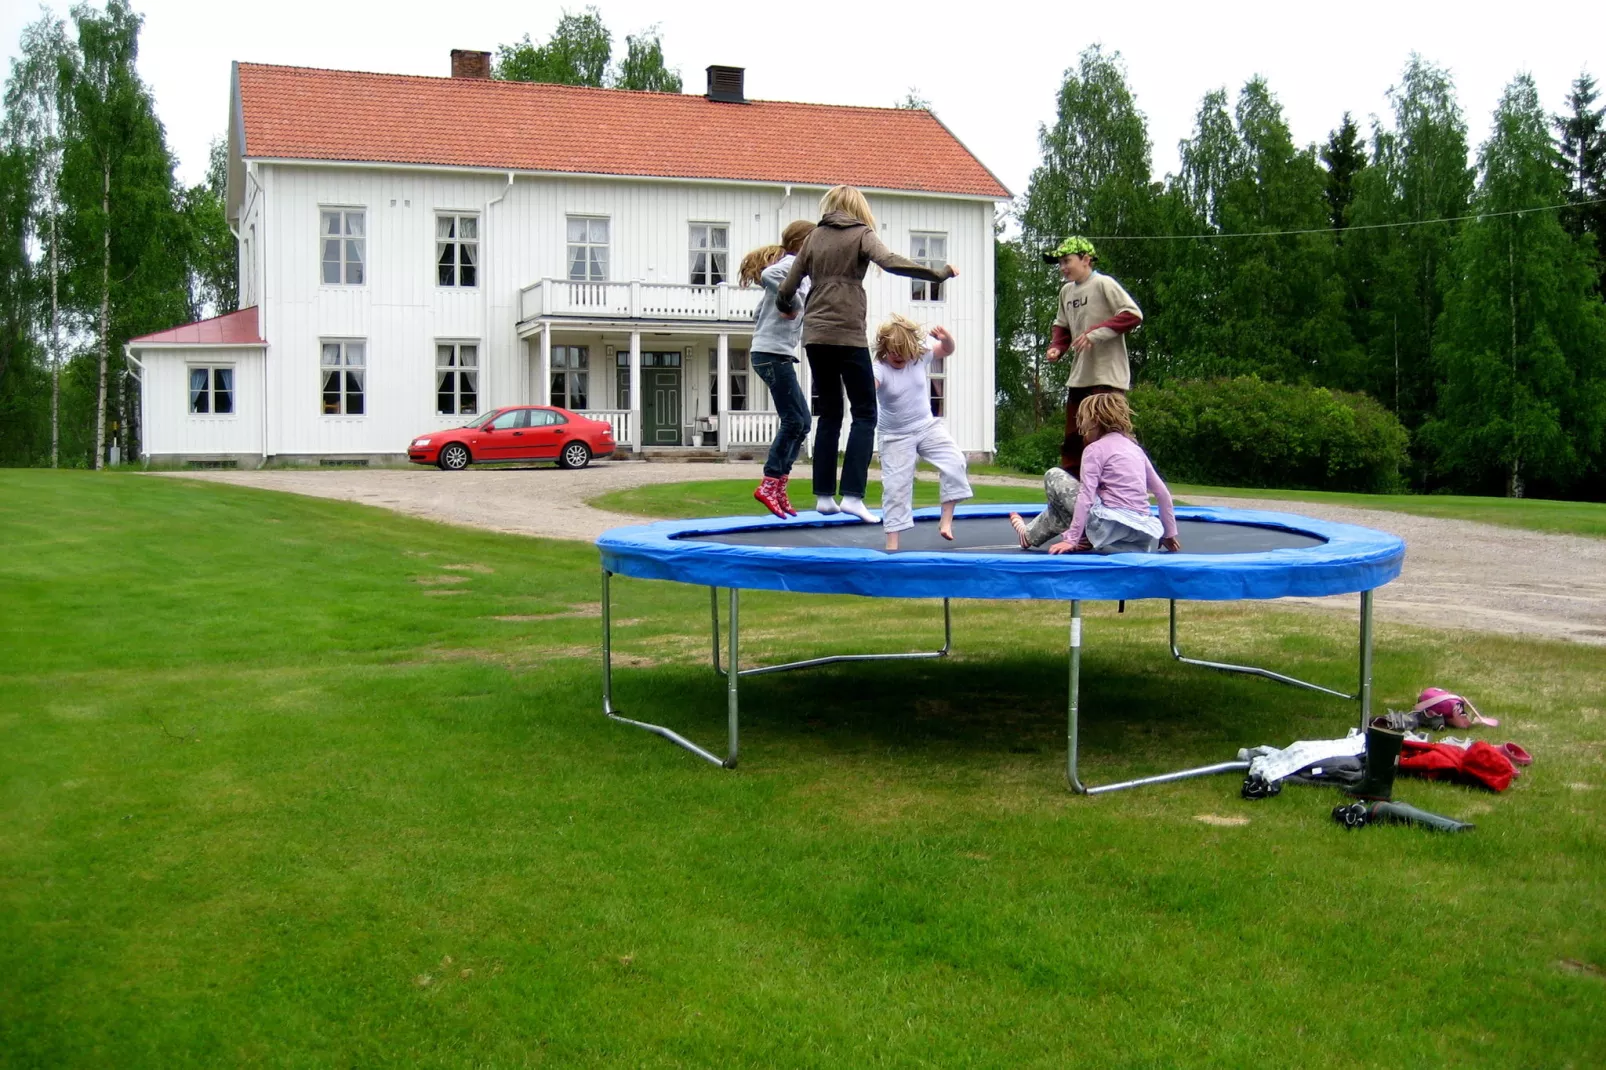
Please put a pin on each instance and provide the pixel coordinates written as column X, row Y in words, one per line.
column 1101, row 414
column 899, row 337
column 850, row 200
column 754, row 263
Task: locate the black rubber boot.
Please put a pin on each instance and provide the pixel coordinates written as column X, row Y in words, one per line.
column 1382, row 753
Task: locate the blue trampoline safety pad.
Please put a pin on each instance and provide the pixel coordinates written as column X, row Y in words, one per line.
column 1227, row 554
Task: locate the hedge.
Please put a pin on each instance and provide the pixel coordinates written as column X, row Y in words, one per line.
column 1249, row 433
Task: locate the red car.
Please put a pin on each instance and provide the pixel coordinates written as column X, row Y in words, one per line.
column 516, row 433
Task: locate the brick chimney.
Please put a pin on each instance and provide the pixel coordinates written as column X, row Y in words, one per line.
column 725, row 84
column 467, row 63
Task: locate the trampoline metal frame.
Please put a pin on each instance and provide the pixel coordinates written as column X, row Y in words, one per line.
column 733, row 675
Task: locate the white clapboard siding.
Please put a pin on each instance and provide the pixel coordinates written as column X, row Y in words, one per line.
column 171, row 430
column 401, row 313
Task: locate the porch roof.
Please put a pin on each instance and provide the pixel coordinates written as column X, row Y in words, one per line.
column 232, row 329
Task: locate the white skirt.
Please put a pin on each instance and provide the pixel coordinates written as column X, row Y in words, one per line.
column 1107, row 526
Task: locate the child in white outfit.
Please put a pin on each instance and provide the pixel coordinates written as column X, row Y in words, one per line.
column 909, row 432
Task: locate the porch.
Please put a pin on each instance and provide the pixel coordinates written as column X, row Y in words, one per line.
column 665, row 365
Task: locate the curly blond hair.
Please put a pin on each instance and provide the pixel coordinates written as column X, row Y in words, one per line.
column 900, row 336
column 1101, row 414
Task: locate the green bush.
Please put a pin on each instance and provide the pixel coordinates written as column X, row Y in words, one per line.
column 1249, row 433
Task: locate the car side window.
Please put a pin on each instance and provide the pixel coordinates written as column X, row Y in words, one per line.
column 515, row 418
column 545, row 418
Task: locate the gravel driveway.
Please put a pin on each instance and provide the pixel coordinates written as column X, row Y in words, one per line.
column 1458, row 574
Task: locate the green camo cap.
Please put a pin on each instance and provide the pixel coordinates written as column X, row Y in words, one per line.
column 1072, row 246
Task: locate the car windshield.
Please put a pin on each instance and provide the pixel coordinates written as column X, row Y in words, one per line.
column 484, row 421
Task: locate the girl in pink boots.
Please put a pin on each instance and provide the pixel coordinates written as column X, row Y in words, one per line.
column 773, row 357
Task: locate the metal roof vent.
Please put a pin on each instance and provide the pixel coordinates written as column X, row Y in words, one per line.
column 725, row 84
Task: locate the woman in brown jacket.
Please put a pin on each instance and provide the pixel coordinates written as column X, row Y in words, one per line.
column 835, row 259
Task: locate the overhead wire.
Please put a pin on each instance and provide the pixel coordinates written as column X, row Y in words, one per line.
column 1344, row 230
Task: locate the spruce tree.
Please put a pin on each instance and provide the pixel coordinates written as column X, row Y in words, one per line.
column 1583, row 148
column 1344, row 156
column 1522, row 344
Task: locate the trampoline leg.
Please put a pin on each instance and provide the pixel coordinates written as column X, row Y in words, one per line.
column 1250, row 670
column 1073, row 731
column 658, row 730
column 713, row 613
column 732, row 678
column 1071, row 728
column 1365, row 695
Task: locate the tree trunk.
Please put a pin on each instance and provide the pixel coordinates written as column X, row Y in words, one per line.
column 105, row 310
column 55, row 341
column 1515, row 488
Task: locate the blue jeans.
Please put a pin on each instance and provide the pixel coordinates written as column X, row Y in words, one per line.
column 791, row 407
column 837, row 368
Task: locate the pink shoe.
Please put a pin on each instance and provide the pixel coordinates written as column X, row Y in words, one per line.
column 1518, row 755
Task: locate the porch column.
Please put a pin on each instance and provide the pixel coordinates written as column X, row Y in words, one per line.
column 543, row 368
column 637, row 432
column 723, row 365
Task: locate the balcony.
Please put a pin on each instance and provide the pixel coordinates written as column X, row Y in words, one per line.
column 661, row 301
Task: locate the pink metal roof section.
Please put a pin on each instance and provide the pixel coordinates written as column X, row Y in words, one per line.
column 304, row 113
column 234, row 329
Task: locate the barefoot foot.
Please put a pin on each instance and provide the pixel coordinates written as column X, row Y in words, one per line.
column 1019, row 525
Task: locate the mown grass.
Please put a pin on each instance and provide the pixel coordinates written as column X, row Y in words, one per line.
column 274, row 793
column 733, row 497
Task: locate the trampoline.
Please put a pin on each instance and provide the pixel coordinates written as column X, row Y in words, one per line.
column 1228, row 554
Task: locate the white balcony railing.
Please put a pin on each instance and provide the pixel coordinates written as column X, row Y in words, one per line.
column 637, row 300
column 750, row 428
column 618, row 419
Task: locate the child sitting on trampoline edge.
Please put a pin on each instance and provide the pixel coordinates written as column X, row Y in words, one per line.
column 909, row 431
column 1109, row 509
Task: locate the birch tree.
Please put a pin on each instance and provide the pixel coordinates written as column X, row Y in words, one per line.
column 123, row 233
column 37, row 98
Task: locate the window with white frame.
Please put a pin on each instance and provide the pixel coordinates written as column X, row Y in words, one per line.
column 710, row 253
column 930, row 251
column 211, row 391
column 588, row 249
column 343, row 369
column 738, row 373
column 571, row 372
column 937, row 376
column 344, row 242
column 457, row 250
column 457, row 378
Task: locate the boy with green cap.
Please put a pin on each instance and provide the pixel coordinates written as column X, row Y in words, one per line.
column 1095, row 314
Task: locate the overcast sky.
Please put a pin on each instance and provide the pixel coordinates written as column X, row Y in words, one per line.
column 990, row 70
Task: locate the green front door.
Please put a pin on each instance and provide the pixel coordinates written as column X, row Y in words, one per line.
column 660, row 408
column 660, row 396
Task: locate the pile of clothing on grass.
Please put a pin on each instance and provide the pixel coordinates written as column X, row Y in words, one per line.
column 1364, row 765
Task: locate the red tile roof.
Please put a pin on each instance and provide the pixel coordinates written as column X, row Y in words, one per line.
column 308, row 114
column 235, row 329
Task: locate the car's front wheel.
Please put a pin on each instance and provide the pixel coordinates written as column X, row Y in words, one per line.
column 454, row 457
column 575, row 455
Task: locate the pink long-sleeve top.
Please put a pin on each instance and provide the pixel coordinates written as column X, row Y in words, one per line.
column 1117, row 472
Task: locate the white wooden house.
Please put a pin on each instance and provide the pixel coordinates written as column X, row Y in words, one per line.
column 417, row 250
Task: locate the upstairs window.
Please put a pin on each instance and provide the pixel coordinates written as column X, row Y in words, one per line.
column 457, row 379
column 710, row 253
column 738, row 372
column 930, row 251
column 588, row 249
column 344, row 241
column 343, row 368
column 571, row 368
column 212, row 391
column 457, row 250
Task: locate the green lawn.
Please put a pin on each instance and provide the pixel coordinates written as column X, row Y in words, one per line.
column 733, row 497
column 302, row 783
